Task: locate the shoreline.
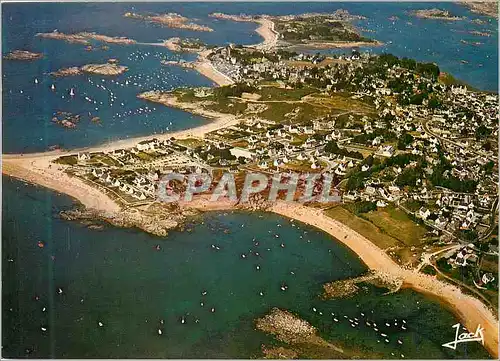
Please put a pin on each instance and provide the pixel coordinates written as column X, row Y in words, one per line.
column 214, row 121
column 337, row 45
column 206, row 68
column 267, row 32
column 470, row 311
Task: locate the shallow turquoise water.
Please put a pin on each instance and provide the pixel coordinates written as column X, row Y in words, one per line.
column 116, row 277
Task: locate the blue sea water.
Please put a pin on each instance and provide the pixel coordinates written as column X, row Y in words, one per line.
column 123, row 282
column 117, row 277
column 28, row 108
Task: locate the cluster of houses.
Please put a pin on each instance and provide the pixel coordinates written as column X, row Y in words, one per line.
column 450, row 130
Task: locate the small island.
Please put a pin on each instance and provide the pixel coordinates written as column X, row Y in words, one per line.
column 188, row 45
column 85, row 37
column 23, row 55
column 109, row 69
column 104, row 69
column 170, row 20
column 436, row 14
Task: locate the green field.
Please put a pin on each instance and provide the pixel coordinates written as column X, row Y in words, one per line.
column 386, row 227
column 363, row 227
column 397, row 224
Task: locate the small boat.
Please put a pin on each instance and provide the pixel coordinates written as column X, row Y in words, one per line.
column 100, row 324
column 159, row 332
column 36, row 81
column 53, row 87
column 72, row 92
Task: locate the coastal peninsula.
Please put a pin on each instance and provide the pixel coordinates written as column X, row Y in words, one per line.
column 312, row 30
column 384, row 128
column 188, row 45
column 170, row 20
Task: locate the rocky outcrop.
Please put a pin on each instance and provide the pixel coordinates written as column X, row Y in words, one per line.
column 74, row 70
column 107, row 69
column 349, row 287
column 435, row 14
column 285, row 326
column 104, row 69
column 23, row 55
column 171, row 20
column 85, row 37
column 158, row 221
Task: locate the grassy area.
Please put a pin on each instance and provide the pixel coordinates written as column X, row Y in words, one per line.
column 363, row 227
column 430, row 270
column 228, row 106
column 386, row 227
column 396, row 223
column 67, row 160
column 275, row 93
column 190, row 142
column 342, row 102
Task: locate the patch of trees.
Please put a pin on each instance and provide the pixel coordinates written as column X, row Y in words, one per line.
column 441, row 177
column 409, row 177
column 482, row 132
column 365, row 138
column 404, row 140
column 223, row 153
column 402, row 159
column 364, row 207
column 430, row 70
column 332, row 147
column 235, row 90
column 356, row 180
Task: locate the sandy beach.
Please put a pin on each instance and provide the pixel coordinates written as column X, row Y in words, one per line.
column 471, row 312
column 37, row 168
column 205, row 68
column 270, row 36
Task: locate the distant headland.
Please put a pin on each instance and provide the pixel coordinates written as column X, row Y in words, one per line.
column 171, row 20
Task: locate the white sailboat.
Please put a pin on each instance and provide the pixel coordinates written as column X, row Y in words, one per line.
column 53, row 87
column 72, row 92
column 36, row 81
